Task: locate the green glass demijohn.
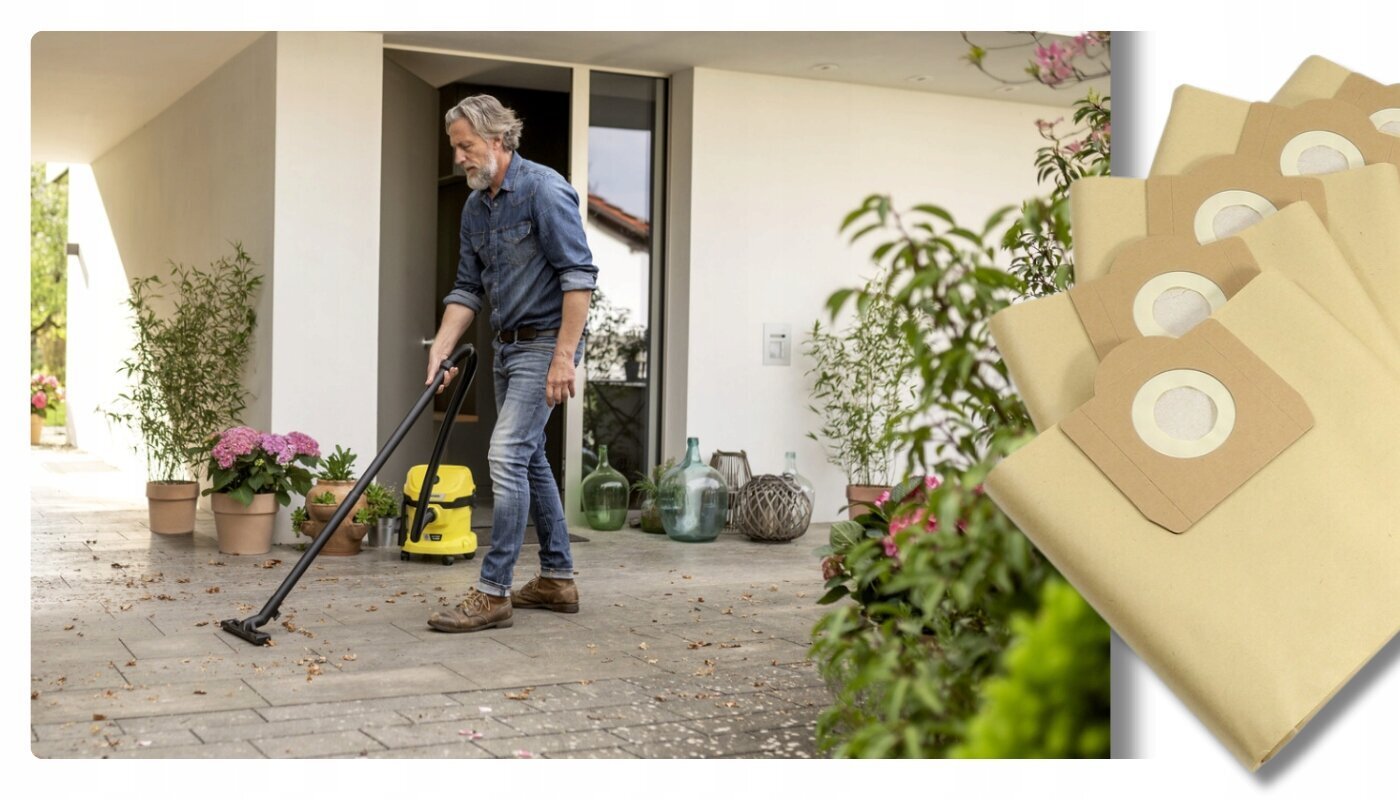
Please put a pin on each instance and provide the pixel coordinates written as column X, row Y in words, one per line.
column 693, row 499
column 605, row 496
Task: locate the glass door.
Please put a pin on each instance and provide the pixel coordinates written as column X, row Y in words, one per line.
column 626, row 157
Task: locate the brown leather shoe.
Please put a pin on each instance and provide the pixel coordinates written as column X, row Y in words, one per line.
column 554, row 594
column 475, row 613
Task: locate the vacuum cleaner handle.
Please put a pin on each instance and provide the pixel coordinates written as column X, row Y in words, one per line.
column 425, row 490
column 247, row 629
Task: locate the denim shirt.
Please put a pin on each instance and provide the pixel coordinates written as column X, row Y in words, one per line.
column 523, row 249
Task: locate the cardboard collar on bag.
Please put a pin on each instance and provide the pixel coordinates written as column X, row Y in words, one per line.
column 1186, row 205
column 1112, row 308
column 1262, row 413
column 1279, row 134
column 1375, row 99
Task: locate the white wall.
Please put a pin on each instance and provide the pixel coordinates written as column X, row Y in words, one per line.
column 278, row 149
column 775, row 164
column 325, row 367
column 194, row 178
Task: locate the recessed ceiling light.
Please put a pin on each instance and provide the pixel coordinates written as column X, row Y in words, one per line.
column 917, row 79
column 825, row 67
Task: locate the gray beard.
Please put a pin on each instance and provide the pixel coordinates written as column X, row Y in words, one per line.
column 482, row 178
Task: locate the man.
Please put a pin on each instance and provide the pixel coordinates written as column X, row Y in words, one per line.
column 523, row 247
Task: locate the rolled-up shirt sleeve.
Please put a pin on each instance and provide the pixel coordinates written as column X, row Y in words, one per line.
column 561, row 236
column 466, row 289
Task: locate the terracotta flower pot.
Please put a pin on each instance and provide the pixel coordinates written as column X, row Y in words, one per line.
column 172, row 505
column 322, row 512
column 861, row 497
column 244, row 530
column 346, row 541
column 36, row 428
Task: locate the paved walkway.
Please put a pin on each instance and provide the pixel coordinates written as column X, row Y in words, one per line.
column 679, row 651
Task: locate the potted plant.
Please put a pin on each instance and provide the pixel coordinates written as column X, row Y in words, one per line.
column 631, row 347
column 336, row 479
column 380, row 514
column 648, row 486
column 333, row 485
column 252, row 475
column 44, row 391
column 185, row 374
column 861, row 389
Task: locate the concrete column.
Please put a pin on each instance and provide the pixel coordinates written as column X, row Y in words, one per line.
column 325, row 287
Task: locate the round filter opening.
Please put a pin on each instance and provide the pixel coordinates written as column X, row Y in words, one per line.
column 1183, row 413
column 1387, row 120
column 1234, row 219
column 1319, row 153
column 1227, row 213
column 1321, row 160
column 1173, row 303
column 1178, row 310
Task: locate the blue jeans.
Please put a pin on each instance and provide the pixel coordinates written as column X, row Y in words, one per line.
column 523, row 483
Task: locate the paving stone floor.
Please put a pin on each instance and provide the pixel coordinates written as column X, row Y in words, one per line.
column 678, row 651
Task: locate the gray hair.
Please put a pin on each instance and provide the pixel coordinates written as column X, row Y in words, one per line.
column 489, row 119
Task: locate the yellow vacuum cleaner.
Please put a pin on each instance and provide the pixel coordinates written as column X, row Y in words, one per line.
column 440, row 523
column 459, row 526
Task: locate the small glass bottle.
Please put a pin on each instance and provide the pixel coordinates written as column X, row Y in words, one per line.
column 605, row 496
column 693, row 499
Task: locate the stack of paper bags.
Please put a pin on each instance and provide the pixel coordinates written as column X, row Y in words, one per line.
column 1218, row 400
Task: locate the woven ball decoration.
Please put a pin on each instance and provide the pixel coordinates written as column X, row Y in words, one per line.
column 772, row 508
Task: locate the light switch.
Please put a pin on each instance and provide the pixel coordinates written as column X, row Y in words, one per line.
column 777, row 344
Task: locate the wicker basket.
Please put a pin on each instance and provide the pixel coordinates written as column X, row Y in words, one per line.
column 772, row 508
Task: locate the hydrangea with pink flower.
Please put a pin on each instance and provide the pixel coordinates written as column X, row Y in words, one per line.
column 244, row 462
column 44, row 391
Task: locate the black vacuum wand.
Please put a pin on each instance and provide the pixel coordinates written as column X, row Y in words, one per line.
column 247, row 629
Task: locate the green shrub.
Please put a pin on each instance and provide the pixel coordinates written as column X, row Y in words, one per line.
column 933, row 603
column 1052, row 698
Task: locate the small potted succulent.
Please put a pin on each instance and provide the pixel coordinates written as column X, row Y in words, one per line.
column 647, row 486
column 252, row 474
column 333, row 485
column 380, row 514
column 336, row 479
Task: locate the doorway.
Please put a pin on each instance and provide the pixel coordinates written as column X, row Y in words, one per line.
column 602, row 131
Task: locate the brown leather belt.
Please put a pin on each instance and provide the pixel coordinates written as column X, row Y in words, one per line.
column 524, row 334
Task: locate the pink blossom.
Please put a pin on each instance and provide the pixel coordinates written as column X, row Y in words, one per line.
column 278, row 446
column 305, row 445
column 831, row 567
column 916, row 517
column 891, row 549
column 39, row 400
column 1053, row 63
column 1075, row 147
column 978, row 490
column 882, row 499
column 235, row 442
column 932, row 482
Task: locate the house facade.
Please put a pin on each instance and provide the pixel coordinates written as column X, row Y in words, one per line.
column 323, row 155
